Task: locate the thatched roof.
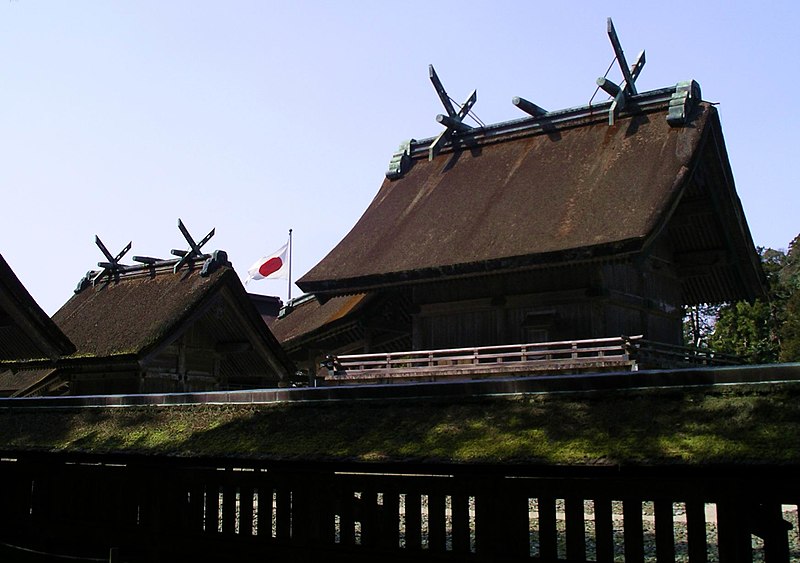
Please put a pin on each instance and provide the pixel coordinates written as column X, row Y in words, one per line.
column 308, row 317
column 26, row 332
column 530, row 193
column 138, row 313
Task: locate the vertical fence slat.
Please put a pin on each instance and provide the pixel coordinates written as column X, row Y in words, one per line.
column 436, row 521
column 413, row 520
column 501, row 521
column 246, row 510
column 576, row 529
column 390, row 521
column 346, row 515
column 461, row 531
column 696, row 531
column 634, row 531
column 733, row 534
column 368, row 516
column 212, row 507
column 665, row 531
column 776, row 535
column 228, row 509
column 548, row 533
column 604, row 529
column 283, row 513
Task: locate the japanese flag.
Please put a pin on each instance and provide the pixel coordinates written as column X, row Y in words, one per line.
column 272, row 267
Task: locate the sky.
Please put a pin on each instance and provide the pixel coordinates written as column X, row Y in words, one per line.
column 117, row 118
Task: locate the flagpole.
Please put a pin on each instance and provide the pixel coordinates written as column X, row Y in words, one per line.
column 290, row 266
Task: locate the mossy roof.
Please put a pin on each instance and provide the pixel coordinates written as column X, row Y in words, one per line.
column 742, row 423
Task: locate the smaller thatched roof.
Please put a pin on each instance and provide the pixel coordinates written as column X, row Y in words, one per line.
column 26, row 332
column 139, row 312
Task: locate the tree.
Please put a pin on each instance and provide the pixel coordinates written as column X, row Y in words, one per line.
column 698, row 324
column 748, row 331
column 766, row 330
column 790, row 328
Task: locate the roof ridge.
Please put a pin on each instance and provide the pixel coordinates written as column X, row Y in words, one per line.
column 679, row 100
column 211, row 262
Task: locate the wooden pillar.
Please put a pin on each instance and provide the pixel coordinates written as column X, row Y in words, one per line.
column 733, row 534
column 604, row 529
column 665, row 530
column 576, row 529
column 696, row 531
column 633, row 531
column 502, row 528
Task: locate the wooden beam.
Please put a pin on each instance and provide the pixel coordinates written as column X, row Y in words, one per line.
column 452, row 123
column 630, row 87
column 608, row 87
column 437, row 85
column 528, row 107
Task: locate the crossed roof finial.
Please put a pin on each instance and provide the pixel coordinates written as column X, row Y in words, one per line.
column 193, row 253
column 454, row 120
column 112, row 266
column 620, row 93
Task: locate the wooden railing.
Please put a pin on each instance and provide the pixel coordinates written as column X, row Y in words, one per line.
column 666, row 355
column 575, row 355
column 568, row 356
column 162, row 509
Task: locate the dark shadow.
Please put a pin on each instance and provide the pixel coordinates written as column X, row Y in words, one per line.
column 634, row 124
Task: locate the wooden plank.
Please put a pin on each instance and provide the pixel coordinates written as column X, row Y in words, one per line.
column 413, row 514
column 461, row 529
column 390, row 521
column 229, row 509
column 368, row 517
column 246, row 510
column 630, row 87
column 633, row 531
column 211, row 507
column 733, row 535
column 283, row 513
column 441, row 92
column 264, row 511
column 665, row 531
column 346, row 515
column 436, row 522
column 576, row 529
column 696, row 531
column 776, row 540
column 548, row 532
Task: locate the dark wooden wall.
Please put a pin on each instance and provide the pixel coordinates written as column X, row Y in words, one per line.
column 579, row 302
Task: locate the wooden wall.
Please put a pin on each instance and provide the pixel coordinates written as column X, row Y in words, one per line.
column 590, row 301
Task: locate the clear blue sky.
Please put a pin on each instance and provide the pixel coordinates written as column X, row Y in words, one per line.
column 255, row 117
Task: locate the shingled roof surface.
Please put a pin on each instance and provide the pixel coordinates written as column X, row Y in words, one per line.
column 496, row 205
column 311, row 315
column 129, row 316
column 27, row 333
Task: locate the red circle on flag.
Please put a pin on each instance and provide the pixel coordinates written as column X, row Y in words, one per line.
column 270, row 266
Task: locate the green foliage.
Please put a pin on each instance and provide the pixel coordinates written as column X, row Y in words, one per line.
column 767, row 330
column 698, row 324
column 746, row 330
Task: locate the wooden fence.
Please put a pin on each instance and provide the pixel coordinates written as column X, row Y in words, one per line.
column 570, row 356
column 161, row 509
